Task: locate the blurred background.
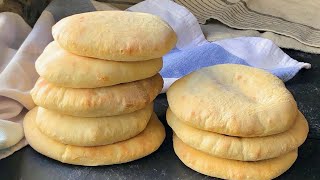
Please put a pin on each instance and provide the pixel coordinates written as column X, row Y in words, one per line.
column 30, row 10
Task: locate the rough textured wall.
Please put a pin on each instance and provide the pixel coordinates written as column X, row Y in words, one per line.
column 10, row 5
column 30, row 10
column 121, row 4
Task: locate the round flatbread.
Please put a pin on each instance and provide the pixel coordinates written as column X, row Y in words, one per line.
column 115, row 35
column 98, row 102
column 234, row 100
column 65, row 69
column 232, row 169
column 243, row 149
column 137, row 147
column 81, row 131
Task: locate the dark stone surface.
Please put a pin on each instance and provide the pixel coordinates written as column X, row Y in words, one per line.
column 164, row 164
column 305, row 87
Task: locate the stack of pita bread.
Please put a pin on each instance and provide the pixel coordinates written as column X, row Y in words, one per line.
column 98, row 80
column 235, row 122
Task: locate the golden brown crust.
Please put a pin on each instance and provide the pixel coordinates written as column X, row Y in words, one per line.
column 137, row 147
column 237, row 148
column 98, row 102
column 115, row 35
column 80, row 131
column 65, row 69
column 235, row 100
column 232, row 169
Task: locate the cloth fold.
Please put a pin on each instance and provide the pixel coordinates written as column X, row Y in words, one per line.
column 285, row 21
column 18, row 76
column 215, row 31
column 192, row 52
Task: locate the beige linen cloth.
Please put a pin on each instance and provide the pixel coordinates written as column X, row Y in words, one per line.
column 293, row 24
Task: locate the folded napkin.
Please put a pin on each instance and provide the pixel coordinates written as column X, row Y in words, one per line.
column 192, row 52
column 290, row 23
column 16, row 79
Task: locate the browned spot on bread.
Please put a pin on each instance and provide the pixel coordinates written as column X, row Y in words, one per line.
column 81, row 19
column 103, row 78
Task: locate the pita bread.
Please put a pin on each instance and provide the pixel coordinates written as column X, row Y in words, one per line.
column 80, row 131
column 65, row 69
column 234, row 100
column 232, row 169
column 137, row 147
column 243, row 149
column 98, row 102
column 115, row 35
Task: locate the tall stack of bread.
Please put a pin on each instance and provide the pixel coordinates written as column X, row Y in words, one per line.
column 235, row 122
column 98, row 80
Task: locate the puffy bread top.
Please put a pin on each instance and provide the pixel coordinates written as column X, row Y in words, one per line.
column 234, row 100
column 115, row 35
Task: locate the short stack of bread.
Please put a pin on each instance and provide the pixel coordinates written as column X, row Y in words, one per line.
column 98, row 80
column 235, row 122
